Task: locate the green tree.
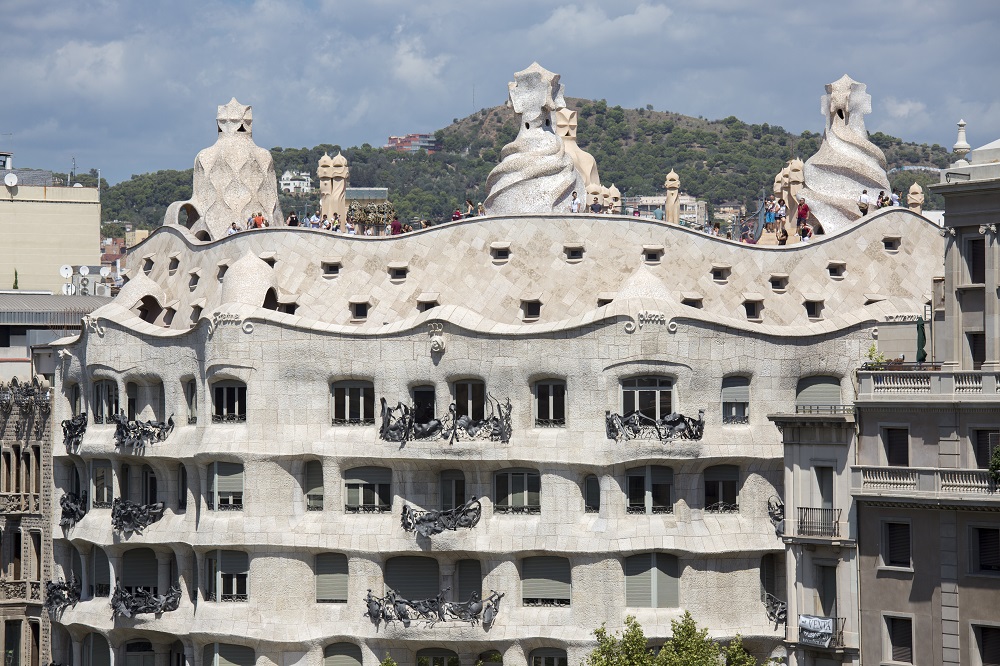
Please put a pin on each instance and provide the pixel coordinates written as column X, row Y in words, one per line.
column 736, row 655
column 625, row 649
column 689, row 645
column 388, row 661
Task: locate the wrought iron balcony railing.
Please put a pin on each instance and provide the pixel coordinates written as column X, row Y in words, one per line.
column 504, row 508
column 137, row 434
column 723, row 507
column 128, row 517
column 367, row 508
column 818, row 522
column 636, row 425
column 824, row 409
column 229, row 418
column 400, row 425
column 393, row 607
column 429, row 523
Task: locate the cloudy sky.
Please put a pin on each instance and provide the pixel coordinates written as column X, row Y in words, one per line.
column 133, row 86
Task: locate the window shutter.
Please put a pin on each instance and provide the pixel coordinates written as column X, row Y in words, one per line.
column 469, row 578
column 718, row 473
column 331, row 577
column 897, row 446
column 898, row 537
column 667, row 581
column 413, row 578
column 534, row 489
column 314, row 478
column 639, row 580
column 236, row 655
column 592, row 499
column 102, row 572
column 139, row 569
column 986, row 442
column 234, row 562
column 546, row 578
column 736, row 389
column 229, row 477
column 369, row 475
column 100, row 653
column 342, row 654
column 989, row 549
column 767, row 574
column 819, row 390
column 990, row 642
column 901, row 637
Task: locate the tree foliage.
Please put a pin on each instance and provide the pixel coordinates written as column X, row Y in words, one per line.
column 688, row 646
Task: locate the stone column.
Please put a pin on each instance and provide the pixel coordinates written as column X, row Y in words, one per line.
column 115, row 561
column 162, row 575
column 185, row 574
column 77, row 653
column 953, row 312
column 448, row 580
column 991, row 310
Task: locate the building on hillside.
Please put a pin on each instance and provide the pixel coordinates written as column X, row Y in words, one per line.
column 295, row 182
column 43, row 228
column 412, row 143
column 694, row 212
column 135, row 236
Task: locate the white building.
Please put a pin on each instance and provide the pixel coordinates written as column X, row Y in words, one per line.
column 295, row 182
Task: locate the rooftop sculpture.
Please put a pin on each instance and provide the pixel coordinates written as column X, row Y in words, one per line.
column 233, row 179
column 535, row 174
column 585, row 163
column 847, row 162
column 915, row 199
column 333, row 177
column 672, row 205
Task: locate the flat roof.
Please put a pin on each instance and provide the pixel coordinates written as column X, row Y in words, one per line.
column 44, row 310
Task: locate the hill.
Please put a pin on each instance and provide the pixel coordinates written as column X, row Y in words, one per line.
column 717, row 160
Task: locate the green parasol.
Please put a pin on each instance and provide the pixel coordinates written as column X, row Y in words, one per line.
column 921, row 341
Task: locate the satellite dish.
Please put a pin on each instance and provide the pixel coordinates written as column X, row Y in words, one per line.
column 66, row 271
column 10, row 180
column 84, row 270
column 105, row 271
column 69, row 289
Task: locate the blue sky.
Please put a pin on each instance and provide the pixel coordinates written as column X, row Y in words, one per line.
column 131, row 87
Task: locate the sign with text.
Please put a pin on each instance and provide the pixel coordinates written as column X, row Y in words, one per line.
column 815, row 630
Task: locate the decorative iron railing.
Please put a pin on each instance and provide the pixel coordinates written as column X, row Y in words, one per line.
column 775, row 608
column 636, row 425
column 824, row 409
column 532, row 509
column 128, row 517
column 399, row 424
column 128, row 604
column 352, row 422
column 722, row 507
column 393, row 608
column 736, row 420
column 367, row 508
column 818, row 522
column 229, row 418
column 550, row 423
column 73, row 431
column 73, row 508
column 137, row 434
column 60, row 595
column 546, row 602
column 429, row 523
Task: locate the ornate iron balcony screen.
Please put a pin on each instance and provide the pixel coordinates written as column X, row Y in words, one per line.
column 545, row 602
column 73, row 431
column 128, row 517
column 229, row 418
column 636, row 425
column 73, row 509
column 127, row 604
column 392, row 608
column 60, row 595
column 399, row 424
column 429, row 523
column 723, row 507
column 137, row 434
column 775, row 608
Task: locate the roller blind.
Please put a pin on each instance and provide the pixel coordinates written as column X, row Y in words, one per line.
column 369, row 475
column 819, row 390
column 342, row 654
column 234, row 562
column 722, row 473
column 102, row 572
column 331, row 577
column 139, row 568
column 667, row 581
column 236, row 655
column 639, row 580
column 990, row 640
column 100, row 653
column 735, row 389
column 989, row 549
column 314, row 478
column 413, row 577
column 898, row 544
column 897, row 446
column 546, row 577
column 229, row 477
column 901, row 637
column 469, row 579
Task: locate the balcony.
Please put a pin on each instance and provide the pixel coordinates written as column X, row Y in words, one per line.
column 19, row 503
column 929, row 383
column 21, row 590
column 921, row 484
column 818, row 522
column 822, row 632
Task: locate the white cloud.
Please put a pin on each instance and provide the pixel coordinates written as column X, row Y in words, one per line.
column 412, row 67
column 904, row 108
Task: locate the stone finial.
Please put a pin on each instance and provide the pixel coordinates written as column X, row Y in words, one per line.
column 586, row 165
column 235, row 117
column 961, row 147
column 915, row 199
column 534, row 92
column 672, row 204
column 673, row 181
column 333, row 174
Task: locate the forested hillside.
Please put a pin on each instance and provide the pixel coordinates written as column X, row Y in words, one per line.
column 719, row 160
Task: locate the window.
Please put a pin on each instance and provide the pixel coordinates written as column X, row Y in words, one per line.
column 779, row 283
column 517, row 491
column 814, row 309
column 531, row 309
column 547, row 657
column 359, row 311
column 222, row 272
column 182, row 488
column 985, row 443
column 427, row 302
column 550, row 404
column 500, row 252
column 652, row 254
column 226, row 575
column 721, row 488
column 195, row 316
column 836, row 269
column 331, row 578
column 225, row 486
column 398, row 273
column 101, row 586
column 651, row 581
column 754, row 309
column 353, row 403
column 768, row 577
column 331, row 269
column 131, row 400
column 891, row 243
column 826, row 590
column 150, row 495
column 693, row 302
column 988, row 642
column 139, row 570
column 984, row 545
column 469, row 579
column 413, row 577
column 817, row 394
column 721, row 273
column 546, row 581
column 313, row 486
column 897, row 446
column 423, row 404
column 368, row 490
column 95, row 652
column 191, row 401
column 899, row 632
column 591, row 494
column 574, row 253
column 147, row 265
column 341, row 654
column 975, row 253
column 225, row 654
column 735, row 400
column 437, row 657
column 194, row 279
column 229, row 402
column 102, row 492
column 105, row 403
column 490, row 658
column 470, row 399
column 977, row 349
column 896, row 545
column 452, row 489
column 74, row 398
column 651, row 396
column 650, row 489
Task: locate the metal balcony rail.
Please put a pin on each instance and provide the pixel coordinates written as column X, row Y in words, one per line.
column 901, row 366
column 824, row 632
column 824, row 409
column 723, row 507
column 819, row 522
column 229, row 418
column 736, row 420
column 910, row 480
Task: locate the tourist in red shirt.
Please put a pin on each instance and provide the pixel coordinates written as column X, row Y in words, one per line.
column 802, row 215
column 395, row 228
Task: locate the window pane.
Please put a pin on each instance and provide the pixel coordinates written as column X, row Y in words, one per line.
column 340, row 403
column 502, row 497
column 543, row 401
column 647, row 403
column 517, row 489
column 534, row 490
column 628, row 402
column 559, row 401
column 478, row 401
